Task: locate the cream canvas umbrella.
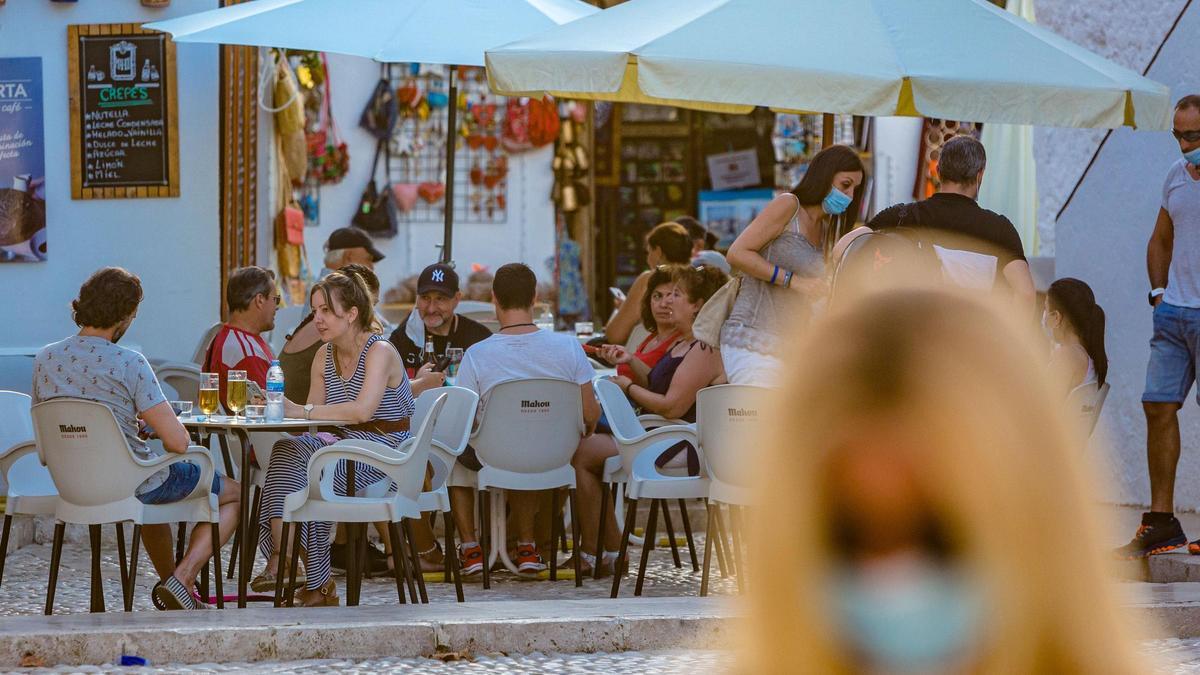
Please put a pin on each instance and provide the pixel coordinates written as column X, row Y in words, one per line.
column 956, row 59
column 449, row 32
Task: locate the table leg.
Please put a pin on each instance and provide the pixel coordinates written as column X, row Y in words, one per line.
column 246, row 564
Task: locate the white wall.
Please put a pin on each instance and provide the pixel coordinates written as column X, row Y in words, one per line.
column 1102, row 239
column 897, row 147
column 527, row 237
column 172, row 244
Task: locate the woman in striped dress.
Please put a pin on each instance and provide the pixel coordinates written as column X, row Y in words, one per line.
column 357, row 377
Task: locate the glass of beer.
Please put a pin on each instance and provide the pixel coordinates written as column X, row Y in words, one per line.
column 235, row 392
column 209, row 389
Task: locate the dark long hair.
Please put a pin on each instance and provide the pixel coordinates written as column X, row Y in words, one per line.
column 818, row 179
column 1076, row 301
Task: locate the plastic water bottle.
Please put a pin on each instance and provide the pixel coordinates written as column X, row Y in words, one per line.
column 274, row 412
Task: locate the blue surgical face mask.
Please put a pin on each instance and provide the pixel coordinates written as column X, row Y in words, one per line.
column 916, row 617
column 1193, row 157
column 836, row 202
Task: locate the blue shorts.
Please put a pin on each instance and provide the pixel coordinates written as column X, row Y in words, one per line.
column 179, row 484
column 1173, row 352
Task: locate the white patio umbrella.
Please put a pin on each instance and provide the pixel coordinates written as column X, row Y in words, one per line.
column 955, row 59
column 449, row 32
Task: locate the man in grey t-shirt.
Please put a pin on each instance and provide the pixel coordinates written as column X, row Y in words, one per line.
column 1173, row 264
column 91, row 366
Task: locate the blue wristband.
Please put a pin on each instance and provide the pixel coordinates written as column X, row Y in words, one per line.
column 774, row 275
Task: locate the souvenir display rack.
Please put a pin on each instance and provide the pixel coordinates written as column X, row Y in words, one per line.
column 418, row 150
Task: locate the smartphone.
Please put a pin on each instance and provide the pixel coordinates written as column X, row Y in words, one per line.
column 591, row 350
column 617, row 293
column 254, row 391
column 442, row 364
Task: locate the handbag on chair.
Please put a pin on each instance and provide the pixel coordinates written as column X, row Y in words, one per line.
column 707, row 326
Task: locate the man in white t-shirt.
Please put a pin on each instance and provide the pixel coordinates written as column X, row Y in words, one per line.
column 518, row 351
column 1173, row 265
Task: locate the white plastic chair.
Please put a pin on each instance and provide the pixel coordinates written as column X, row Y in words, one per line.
column 404, row 466
column 450, row 435
column 729, row 418
column 182, row 378
column 205, row 340
column 527, row 436
column 96, row 473
column 633, row 435
column 1087, row 400
column 31, row 491
column 480, row 312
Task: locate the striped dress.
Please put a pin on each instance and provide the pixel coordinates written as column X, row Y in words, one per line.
column 287, row 471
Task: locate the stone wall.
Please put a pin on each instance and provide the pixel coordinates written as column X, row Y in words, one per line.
column 1126, row 31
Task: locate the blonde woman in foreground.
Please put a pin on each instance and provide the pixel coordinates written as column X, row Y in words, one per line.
column 924, row 468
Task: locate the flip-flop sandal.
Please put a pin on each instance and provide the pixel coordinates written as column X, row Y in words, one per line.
column 173, row 594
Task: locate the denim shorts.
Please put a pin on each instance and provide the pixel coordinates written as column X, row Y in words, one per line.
column 1173, row 351
column 180, row 482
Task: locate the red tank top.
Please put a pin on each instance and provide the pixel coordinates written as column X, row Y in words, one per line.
column 650, row 358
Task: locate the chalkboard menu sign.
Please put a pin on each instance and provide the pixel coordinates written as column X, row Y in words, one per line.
column 124, row 120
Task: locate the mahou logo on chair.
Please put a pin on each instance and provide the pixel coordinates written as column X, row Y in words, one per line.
column 72, row 431
column 535, row 406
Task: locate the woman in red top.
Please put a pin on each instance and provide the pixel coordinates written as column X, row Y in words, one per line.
column 658, row 318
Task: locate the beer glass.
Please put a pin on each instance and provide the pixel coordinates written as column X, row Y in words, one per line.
column 235, row 392
column 209, row 387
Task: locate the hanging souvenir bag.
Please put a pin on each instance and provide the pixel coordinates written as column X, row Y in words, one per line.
column 327, row 151
column 380, row 114
column 372, row 215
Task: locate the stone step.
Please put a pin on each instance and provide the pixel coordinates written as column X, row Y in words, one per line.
column 1173, row 567
column 268, row 634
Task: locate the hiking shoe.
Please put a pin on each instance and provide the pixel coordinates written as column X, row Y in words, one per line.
column 1194, row 547
column 1153, row 539
column 529, row 562
column 470, row 560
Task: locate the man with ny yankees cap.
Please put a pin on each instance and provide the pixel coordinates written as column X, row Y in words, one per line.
column 434, row 319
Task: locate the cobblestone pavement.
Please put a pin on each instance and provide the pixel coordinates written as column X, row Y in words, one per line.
column 1178, row 657
column 26, row 573
column 693, row 662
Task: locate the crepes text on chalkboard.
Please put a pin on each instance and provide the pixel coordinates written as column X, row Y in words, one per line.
column 123, row 113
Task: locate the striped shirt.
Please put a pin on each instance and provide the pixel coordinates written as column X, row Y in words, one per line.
column 397, row 402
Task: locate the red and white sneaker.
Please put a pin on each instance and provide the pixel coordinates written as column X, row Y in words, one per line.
column 529, row 562
column 470, row 560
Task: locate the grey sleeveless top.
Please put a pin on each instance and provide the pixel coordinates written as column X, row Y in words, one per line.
column 761, row 311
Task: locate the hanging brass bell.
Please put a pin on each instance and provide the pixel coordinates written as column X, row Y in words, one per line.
column 581, row 158
column 567, row 136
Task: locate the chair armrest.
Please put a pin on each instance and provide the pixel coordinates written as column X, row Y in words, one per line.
column 655, row 438
column 372, row 453
column 650, row 420
column 11, row 455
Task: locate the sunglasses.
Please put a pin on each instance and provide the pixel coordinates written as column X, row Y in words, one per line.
column 1189, row 136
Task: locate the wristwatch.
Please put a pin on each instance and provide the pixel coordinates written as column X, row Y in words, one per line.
column 1154, row 294
column 308, row 408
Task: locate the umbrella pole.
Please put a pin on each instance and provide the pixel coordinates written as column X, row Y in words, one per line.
column 451, row 148
column 826, row 131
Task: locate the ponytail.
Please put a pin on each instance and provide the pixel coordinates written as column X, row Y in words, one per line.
column 1076, row 301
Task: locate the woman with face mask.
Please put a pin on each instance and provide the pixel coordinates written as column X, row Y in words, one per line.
column 781, row 255
column 1075, row 325
column 923, row 469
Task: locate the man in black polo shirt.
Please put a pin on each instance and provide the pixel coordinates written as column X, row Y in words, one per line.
column 978, row 249
column 434, row 319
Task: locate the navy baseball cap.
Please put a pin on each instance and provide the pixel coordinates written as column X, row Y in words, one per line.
column 438, row 277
